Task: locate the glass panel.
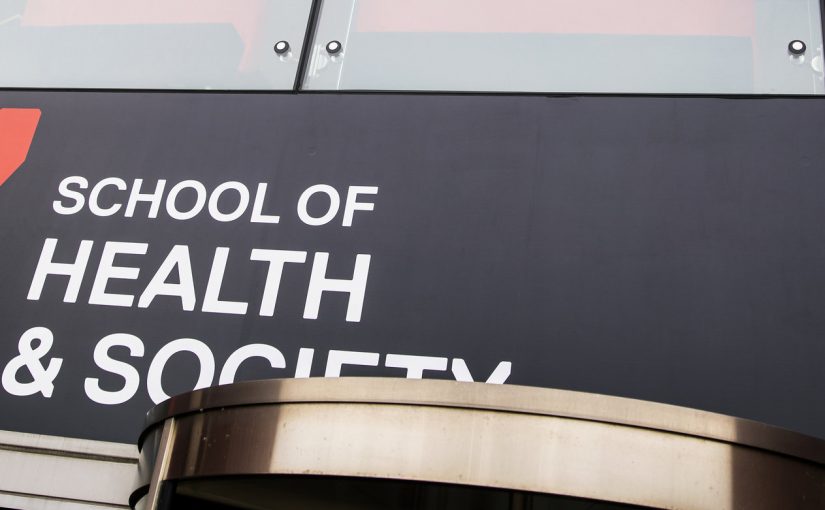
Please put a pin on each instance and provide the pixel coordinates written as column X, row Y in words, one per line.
column 164, row 44
column 634, row 46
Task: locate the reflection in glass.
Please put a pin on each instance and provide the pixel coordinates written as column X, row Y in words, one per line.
column 186, row 44
column 637, row 46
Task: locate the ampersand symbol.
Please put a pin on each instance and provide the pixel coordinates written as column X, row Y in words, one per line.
column 30, row 356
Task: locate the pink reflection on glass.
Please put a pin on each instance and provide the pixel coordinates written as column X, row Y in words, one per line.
column 243, row 15
column 615, row 17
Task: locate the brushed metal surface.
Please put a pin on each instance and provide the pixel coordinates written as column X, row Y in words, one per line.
column 160, row 467
column 508, row 437
column 513, row 398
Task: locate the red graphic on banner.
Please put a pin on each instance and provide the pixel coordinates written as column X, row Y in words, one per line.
column 17, row 127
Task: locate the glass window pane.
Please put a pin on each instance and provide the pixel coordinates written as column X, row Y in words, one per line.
column 165, row 44
column 634, row 46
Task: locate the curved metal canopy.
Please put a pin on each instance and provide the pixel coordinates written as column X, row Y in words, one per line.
column 500, row 436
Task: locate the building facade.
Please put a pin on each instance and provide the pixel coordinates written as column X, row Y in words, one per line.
column 607, row 215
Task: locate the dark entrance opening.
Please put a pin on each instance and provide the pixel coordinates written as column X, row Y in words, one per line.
column 338, row 493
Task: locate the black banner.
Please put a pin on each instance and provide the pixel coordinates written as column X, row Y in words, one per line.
column 668, row 249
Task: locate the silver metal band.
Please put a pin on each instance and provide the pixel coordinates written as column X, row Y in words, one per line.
column 510, row 437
